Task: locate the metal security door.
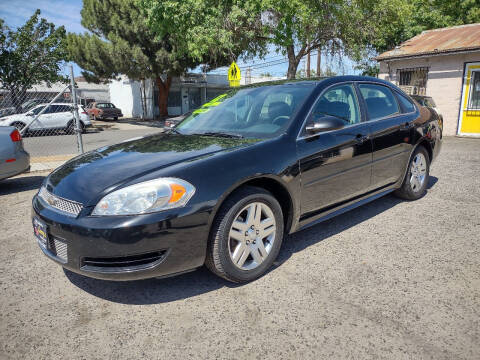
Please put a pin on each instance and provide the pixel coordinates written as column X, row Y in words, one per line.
column 469, row 119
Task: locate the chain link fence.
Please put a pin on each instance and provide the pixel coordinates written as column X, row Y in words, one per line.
column 48, row 117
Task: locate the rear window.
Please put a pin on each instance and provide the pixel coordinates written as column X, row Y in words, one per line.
column 406, row 103
column 379, row 100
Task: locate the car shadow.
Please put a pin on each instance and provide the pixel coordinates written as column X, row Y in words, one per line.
column 157, row 291
column 20, row 184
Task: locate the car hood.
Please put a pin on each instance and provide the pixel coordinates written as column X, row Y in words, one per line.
column 13, row 117
column 85, row 177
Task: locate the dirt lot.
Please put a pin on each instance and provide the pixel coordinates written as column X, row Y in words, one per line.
column 392, row 279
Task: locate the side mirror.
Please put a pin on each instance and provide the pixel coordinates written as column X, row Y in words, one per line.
column 321, row 123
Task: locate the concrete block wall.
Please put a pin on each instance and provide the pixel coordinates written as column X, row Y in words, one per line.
column 444, row 84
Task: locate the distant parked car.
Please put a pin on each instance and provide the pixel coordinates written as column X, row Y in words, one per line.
column 103, row 110
column 14, row 159
column 57, row 116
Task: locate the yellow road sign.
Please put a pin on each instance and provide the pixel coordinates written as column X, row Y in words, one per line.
column 234, row 75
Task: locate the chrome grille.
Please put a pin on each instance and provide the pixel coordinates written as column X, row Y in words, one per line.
column 61, row 250
column 66, row 206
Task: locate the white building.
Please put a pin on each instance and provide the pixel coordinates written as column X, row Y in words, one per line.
column 186, row 93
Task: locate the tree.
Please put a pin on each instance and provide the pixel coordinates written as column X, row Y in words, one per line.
column 298, row 27
column 152, row 39
column 32, row 54
column 121, row 43
column 414, row 17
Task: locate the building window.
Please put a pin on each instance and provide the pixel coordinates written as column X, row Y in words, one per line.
column 474, row 101
column 213, row 93
column 175, row 98
column 413, row 81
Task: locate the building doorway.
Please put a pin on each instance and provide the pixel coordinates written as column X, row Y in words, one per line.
column 469, row 117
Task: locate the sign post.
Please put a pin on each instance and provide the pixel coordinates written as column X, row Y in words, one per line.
column 234, row 75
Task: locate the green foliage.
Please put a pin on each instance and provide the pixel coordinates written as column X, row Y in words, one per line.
column 212, row 32
column 121, row 43
column 419, row 15
column 32, row 54
column 297, row 27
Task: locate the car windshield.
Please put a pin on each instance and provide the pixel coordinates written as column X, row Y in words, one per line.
column 258, row 112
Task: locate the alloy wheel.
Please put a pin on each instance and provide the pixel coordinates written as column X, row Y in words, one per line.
column 418, row 171
column 252, row 235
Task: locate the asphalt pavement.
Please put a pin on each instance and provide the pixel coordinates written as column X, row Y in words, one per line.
column 105, row 133
column 392, row 280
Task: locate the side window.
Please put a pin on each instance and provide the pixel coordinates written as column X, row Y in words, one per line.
column 100, row 106
column 339, row 101
column 37, row 110
column 380, row 101
column 406, row 103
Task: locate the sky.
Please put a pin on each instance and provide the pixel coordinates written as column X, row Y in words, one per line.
column 67, row 13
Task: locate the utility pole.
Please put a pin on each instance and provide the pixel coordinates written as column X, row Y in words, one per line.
column 78, row 128
column 319, row 60
column 308, row 64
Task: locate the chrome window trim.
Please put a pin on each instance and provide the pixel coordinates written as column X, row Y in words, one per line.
column 301, row 137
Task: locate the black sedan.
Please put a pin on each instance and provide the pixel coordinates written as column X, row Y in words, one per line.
column 224, row 186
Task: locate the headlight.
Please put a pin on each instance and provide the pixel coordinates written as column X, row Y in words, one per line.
column 146, row 197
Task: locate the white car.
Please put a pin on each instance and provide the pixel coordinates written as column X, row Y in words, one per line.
column 57, row 116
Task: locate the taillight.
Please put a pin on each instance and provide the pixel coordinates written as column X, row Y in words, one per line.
column 84, row 112
column 15, row 136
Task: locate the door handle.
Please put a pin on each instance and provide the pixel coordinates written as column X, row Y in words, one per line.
column 361, row 138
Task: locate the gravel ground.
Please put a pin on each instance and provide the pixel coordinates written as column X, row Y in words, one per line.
column 392, row 279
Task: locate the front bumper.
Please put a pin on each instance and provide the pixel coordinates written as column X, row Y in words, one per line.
column 125, row 247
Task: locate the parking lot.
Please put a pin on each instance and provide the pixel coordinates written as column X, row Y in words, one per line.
column 391, row 279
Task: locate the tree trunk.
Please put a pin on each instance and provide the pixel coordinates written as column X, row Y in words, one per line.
column 308, row 65
column 163, row 89
column 292, row 63
column 319, row 62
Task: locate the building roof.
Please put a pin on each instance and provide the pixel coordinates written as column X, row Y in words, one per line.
column 439, row 41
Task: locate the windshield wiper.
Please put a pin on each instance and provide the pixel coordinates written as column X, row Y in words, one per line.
column 221, row 134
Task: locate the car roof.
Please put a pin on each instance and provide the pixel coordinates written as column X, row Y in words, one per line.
column 320, row 80
column 40, row 105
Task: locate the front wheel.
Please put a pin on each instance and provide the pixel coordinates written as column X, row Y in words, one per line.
column 246, row 235
column 416, row 181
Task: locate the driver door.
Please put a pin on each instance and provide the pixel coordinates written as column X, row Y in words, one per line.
column 335, row 165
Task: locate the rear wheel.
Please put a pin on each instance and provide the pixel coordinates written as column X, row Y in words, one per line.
column 246, row 235
column 416, row 181
column 70, row 129
column 115, row 118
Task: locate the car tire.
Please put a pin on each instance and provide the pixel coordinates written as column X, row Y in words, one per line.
column 70, row 129
column 250, row 257
column 416, row 180
column 115, row 118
